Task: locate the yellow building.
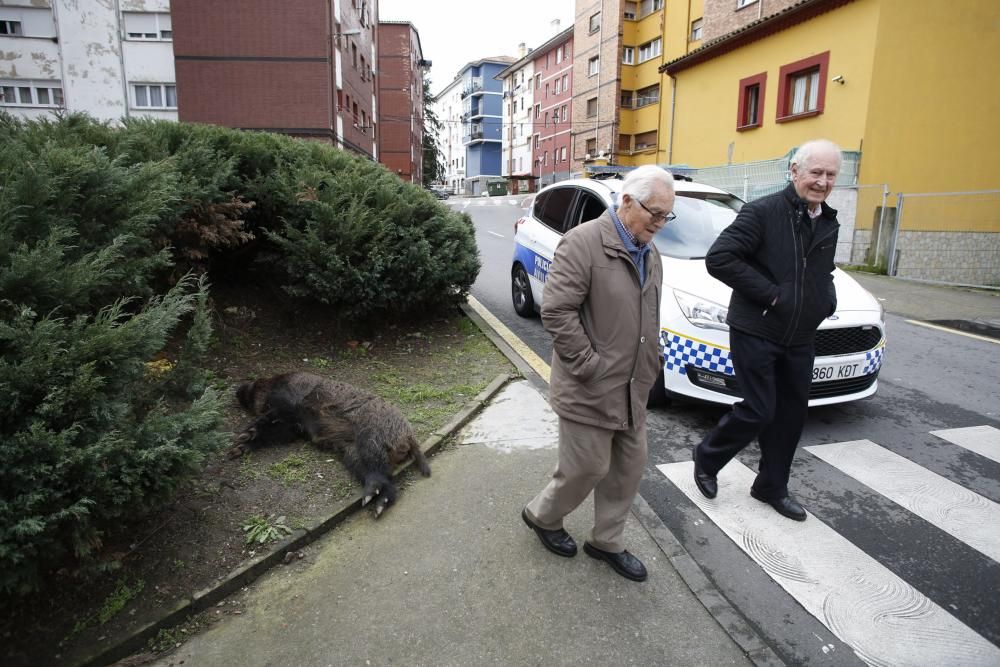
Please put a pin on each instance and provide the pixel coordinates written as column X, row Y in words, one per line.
column 639, row 86
column 906, row 83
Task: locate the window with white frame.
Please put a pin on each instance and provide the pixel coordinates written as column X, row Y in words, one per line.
column 557, row 87
column 647, row 7
column 148, row 25
column 648, row 95
column 594, row 65
column 155, row 96
column 563, row 151
column 564, row 113
column 559, row 55
column 805, row 92
column 628, row 55
column 696, row 30
column 650, row 50
column 11, row 28
column 30, row 93
column 565, row 82
column 630, row 10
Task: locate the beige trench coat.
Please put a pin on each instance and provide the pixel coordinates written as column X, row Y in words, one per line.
column 604, row 327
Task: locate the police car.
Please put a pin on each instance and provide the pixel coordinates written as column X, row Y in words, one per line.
column 694, row 337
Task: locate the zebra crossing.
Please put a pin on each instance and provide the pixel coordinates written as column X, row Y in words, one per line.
column 462, row 204
column 883, row 618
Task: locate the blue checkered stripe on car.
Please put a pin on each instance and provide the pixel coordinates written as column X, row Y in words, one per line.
column 873, row 360
column 679, row 351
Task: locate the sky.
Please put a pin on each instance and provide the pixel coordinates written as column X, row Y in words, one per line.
column 452, row 33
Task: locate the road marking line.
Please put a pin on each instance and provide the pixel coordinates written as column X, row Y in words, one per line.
column 951, row 507
column 953, row 331
column 495, row 234
column 983, row 440
column 529, row 356
column 884, row 619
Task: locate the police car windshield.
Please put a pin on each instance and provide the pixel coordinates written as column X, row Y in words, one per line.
column 700, row 218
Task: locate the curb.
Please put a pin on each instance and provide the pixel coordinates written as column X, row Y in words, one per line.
column 251, row 570
column 731, row 621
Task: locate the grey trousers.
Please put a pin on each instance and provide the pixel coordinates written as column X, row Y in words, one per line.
column 609, row 463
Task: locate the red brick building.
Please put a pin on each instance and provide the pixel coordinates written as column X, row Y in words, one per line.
column 401, row 93
column 299, row 67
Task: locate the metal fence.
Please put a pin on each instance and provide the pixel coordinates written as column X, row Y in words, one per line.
column 948, row 237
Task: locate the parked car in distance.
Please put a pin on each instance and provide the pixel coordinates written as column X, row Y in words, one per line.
column 694, row 336
column 439, row 192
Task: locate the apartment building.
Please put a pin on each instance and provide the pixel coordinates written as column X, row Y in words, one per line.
column 300, row 67
column 109, row 60
column 447, row 107
column 553, row 113
column 401, row 68
column 518, row 111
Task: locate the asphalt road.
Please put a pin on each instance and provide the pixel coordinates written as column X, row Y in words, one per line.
column 931, row 380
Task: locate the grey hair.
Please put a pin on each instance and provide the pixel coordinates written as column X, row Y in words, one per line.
column 808, row 150
column 640, row 181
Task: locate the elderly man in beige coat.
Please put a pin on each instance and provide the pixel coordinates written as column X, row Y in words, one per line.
column 602, row 306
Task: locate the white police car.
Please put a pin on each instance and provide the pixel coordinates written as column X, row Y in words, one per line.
column 694, row 337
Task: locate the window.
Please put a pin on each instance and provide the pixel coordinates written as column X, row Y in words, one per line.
column 740, row 4
column 30, row 93
column 802, row 88
column 147, row 25
column 564, row 113
column 647, row 7
column 630, row 11
column 565, row 81
column 648, row 95
column 751, row 107
column 626, row 99
column 558, row 88
column 650, row 50
column 559, row 55
column 536, row 136
column 538, row 110
column 154, row 95
column 595, row 22
column 551, row 207
column 593, row 66
column 645, row 140
column 695, row 30
column 11, row 28
column 546, row 91
column 628, row 55
column 592, row 146
column 624, row 143
column 538, row 82
column 546, row 120
column 591, row 107
column 563, row 152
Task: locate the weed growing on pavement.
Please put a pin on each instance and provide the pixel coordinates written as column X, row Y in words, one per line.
column 260, row 530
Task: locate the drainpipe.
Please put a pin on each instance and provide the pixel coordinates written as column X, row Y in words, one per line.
column 121, row 58
column 600, row 69
column 673, row 109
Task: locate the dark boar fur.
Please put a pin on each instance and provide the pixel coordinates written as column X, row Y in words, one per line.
column 369, row 435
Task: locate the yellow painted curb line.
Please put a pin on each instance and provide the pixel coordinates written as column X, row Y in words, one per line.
column 519, row 346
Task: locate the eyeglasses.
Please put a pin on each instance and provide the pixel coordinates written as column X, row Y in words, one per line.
column 665, row 217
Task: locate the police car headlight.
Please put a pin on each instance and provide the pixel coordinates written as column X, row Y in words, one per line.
column 702, row 312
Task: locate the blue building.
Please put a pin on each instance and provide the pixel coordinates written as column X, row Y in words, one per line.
column 482, row 121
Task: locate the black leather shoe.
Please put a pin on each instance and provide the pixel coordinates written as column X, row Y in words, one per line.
column 624, row 563
column 706, row 483
column 784, row 506
column 558, row 542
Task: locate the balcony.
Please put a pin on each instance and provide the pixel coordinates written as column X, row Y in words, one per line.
column 474, row 86
column 474, row 134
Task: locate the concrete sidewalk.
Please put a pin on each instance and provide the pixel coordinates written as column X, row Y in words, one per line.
column 451, row 576
column 929, row 301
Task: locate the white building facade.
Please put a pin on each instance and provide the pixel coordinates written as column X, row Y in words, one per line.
column 111, row 59
column 447, row 107
column 518, row 118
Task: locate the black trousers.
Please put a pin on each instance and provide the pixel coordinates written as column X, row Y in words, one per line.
column 775, row 381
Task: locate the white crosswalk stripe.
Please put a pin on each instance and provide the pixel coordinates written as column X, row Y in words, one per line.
column 983, row 440
column 954, row 509
column 884, row 619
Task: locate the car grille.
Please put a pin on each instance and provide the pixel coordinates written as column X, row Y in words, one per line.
column 841, row 387
column 848, row 340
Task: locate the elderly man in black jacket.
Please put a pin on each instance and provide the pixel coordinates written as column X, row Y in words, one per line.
column 778, row 258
